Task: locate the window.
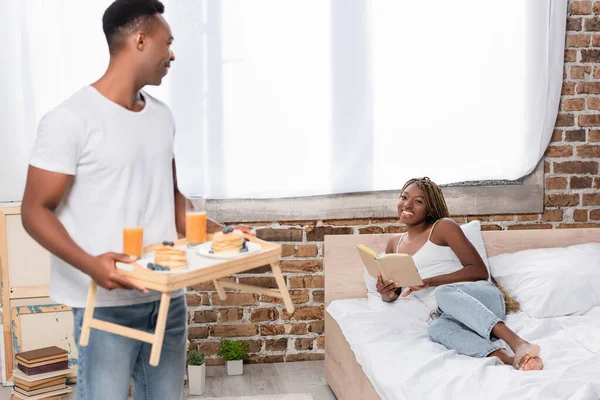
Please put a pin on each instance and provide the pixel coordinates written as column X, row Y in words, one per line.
column 304, row 98
column 296, row 98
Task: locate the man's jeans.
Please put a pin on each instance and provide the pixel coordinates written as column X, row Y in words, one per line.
column 107, row 363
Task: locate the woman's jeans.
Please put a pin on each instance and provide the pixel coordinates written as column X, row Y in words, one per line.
column 468, row 312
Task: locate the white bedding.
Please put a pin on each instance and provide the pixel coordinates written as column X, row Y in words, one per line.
column 391, row 345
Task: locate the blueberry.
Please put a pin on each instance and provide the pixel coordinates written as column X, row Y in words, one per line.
column 229, row 229
column 152, row 266
column 211, row 252
column 171, row 244
column 244, row 250
column 165, row 243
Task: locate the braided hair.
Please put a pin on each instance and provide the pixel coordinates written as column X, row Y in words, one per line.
column 434, row 198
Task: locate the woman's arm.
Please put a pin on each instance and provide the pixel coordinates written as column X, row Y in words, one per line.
column 449, row 233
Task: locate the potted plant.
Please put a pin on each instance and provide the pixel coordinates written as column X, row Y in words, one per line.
column 233, row 352
column 196, row 372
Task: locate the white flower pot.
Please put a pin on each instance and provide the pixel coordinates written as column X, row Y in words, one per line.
column 197, row 379
column 235, row 367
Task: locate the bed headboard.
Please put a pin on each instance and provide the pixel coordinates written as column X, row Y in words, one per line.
column 344, row 269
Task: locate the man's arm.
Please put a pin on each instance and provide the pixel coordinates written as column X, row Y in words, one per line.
column 179, row 204
column 211, row 225
column 44, row 191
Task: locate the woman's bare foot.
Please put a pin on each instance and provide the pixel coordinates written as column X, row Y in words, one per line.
column 525, row 357
column 504, row 356
column 534, row 364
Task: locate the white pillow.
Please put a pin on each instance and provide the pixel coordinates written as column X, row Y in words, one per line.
column 472, row 231
column 370, row 282
column 551, row 282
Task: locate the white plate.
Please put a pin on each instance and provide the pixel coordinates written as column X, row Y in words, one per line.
column 205, row 248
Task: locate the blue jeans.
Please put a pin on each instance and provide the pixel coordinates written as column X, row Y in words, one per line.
column 468, row 312
column 107, row 363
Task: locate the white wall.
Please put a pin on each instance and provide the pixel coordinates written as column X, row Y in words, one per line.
column 13, row 147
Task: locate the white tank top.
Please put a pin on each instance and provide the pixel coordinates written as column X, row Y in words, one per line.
column 432, row 260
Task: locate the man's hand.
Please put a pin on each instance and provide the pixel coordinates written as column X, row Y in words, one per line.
column 105, row 274
column 387, row 289
column 411, row 289
column 246, row 229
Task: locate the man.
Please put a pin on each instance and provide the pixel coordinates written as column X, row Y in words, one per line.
column 103, row 155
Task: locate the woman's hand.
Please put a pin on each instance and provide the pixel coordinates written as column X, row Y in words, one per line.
column 426, row 284
column 387, row 289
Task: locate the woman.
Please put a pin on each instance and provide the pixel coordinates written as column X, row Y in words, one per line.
column 470, row 309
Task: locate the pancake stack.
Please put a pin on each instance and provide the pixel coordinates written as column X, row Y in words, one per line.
column 171, row 257
column 168, row 255
column 228, row 241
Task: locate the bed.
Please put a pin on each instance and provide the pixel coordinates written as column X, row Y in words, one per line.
column 371, row 353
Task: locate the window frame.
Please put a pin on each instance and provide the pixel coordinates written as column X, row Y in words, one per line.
column 524, row 196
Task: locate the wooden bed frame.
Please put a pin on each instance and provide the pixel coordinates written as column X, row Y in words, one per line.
column 344, row 280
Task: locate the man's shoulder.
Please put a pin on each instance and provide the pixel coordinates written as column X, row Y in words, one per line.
column 157, row 102
column 74, row 107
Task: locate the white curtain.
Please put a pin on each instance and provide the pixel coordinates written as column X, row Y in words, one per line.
column 464, row 90
column 278, row 98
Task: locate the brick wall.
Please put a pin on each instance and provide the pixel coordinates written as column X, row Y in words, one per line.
column 572, row 200
column 571, row 164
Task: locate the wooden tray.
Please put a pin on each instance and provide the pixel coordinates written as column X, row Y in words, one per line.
column 201, row 269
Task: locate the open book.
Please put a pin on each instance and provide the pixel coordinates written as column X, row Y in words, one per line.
column 395, row 266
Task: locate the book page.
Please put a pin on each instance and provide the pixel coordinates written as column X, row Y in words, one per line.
column 371, row 264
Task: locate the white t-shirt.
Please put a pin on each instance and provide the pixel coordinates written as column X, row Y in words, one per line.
column 122, row 166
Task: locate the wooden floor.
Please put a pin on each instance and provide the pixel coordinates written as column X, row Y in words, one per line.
column 265, row 379
column 258, row 379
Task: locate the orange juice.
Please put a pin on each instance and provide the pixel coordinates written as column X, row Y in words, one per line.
column 133, row 241
column 195, row 226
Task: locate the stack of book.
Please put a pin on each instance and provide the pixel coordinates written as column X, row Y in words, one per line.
column 41, row 374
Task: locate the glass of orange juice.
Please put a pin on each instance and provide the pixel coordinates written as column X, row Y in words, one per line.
column 195, row 220
column 133, row 233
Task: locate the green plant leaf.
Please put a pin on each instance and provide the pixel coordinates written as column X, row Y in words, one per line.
column 231, row 350
column 195, row 358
